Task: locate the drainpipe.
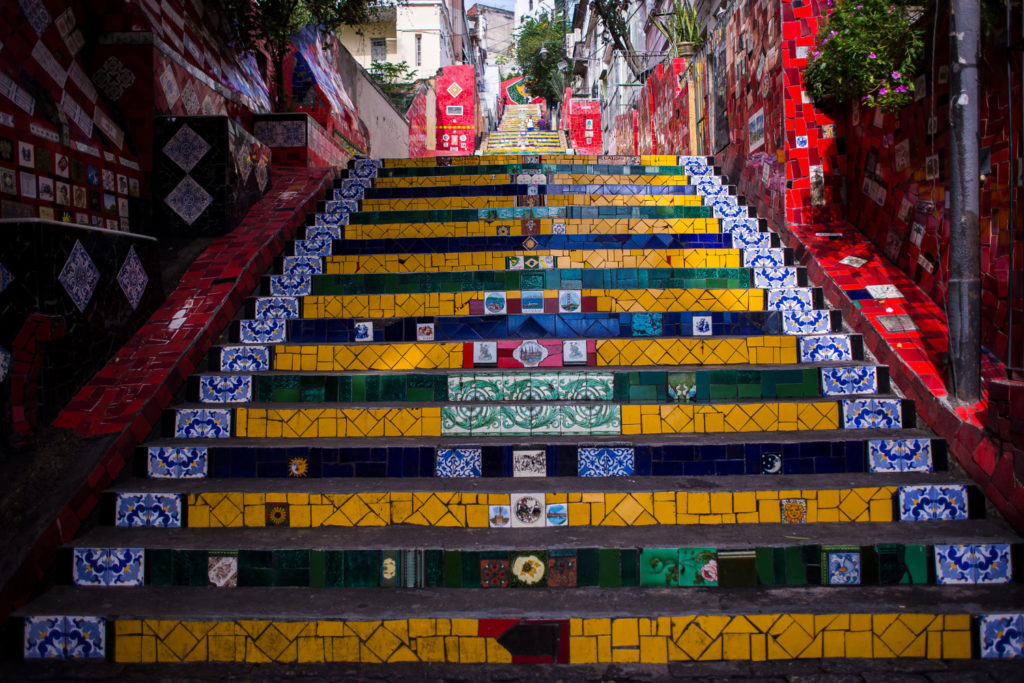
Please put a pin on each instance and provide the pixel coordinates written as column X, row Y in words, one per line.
column 964, row 308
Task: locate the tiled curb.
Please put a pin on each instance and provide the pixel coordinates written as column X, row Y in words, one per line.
column 126, row 398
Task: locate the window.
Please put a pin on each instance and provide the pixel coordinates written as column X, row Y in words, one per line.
column 531, row 5
column 419, row 49
column 378, row 50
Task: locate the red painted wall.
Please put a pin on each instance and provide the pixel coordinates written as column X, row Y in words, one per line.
column 456, row 110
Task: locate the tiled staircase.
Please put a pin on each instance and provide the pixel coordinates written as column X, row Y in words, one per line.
column 597, row 388
column 514, row 136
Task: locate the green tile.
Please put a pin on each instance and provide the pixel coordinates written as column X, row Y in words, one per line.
column 373, row 388
column 291, row 559
column 291, row 577
column 334, row 568
column 392, row 388
column 434, row 568
column 698, row 567
column 453, row 568
column 659, row 567
column 159, row 567
column 358, row 388
column 255, row 577
column 255, row 559
column 737, row 568
column 470, row 569
column 629, row 560
column 609, row 571
column 362, row 568
column 317, row 569
column 588, row 567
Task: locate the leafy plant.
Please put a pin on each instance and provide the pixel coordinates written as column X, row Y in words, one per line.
column 539, row 43
column 396, row 80
column 867, row 50
column 681, row 25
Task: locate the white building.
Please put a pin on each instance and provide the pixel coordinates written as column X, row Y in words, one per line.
column 531, row 8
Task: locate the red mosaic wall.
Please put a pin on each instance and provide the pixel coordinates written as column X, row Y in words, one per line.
column 582, row 118
column 625, row 134
column 456, row 110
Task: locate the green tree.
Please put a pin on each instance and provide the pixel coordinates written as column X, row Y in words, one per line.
column 269, row 25
column 539, row 44
column 396, row 80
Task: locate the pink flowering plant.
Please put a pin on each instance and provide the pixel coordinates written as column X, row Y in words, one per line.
column 866, row 51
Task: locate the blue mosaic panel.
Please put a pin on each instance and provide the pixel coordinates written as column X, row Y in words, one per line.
column 1001, row 636
column 79, row 276
column 313, row 247
column 108, row 566
column 459, row 462
column 291, row 285
column 806, row 322
column 900, row 455
column 844, row 568
column 244, row 358
column 973, row 563
column 928, row 503
column 132, row 278
column 605, row 462
column 872, row 413
column 763, row 258
column 177, row 462
column 225, row 388
column 148, row 510
column 53, row 637
column 858, row 379
column 262, row 331
column 775, row 276
column 790, row 299
column 302, row 265
column 202, row 423
column 277, row 307
column 831, row 347
column 747, row 238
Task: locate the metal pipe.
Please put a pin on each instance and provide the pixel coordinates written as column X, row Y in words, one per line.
column 965, row 203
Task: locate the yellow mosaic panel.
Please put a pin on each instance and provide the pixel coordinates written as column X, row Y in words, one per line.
column 653, row 640
column 495, row 260
column 442, row 180
column 462, row 509
column 498, row 201
column 586, row 226
column 764, row 350
column 624, row 200
column 457, row 303
column 312, row 423
column 594, row 179
column 729, row 417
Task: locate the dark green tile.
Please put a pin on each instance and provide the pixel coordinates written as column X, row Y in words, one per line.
column 334, row 568
column 362, row 568
column 159, row 567
column 589, row 567
column 453, row 568
column 610, row 572
column 629, row 560
column 317, row 569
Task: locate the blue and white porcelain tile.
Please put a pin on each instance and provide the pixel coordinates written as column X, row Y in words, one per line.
column 125, row 567
column 350, row 191
column 323, row 232
column 722, row 208
column 751, row 239
column 763, row 257
column 993, row 563
column 337, row 214
column 279, row 307
column 302, row 265
column 949, row 502
column 775, row 277
column 363, row 182
column 244, row 358
column 79, row 276
column 313, row 247
column 790, row 299
column 291, row 285
column 900, row 455
column 743, row 223
column 365, row 168
column 458, row 462
column 872, row 413
column 177, row 462
column 709, row 188
column 1001, row 636
column 132, row 278
column 695, row 166
column 44, row 638
column 270, row 331
column 843, row 568
column 89, row 566
column 225, row 388
column 148, row 510
column 202, row 423
column 85, row 637
column 954, row 564
column 928, row 503
column 806, row 322
column 605, row 462
column 857, row 379
column 727, row 200
column 831, row 347
column 701, row 326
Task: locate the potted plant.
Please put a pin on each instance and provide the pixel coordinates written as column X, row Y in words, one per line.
column 681, row 28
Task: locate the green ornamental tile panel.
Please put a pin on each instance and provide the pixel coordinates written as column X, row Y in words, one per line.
column 521, row 420
column 698, row 567
column 659, row 567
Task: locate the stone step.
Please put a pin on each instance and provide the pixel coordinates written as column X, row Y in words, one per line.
column 588, row 625
column 687, row 194
column 792, row 453
column 720, row 209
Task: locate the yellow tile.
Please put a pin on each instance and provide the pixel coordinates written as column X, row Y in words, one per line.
column 654, row 649
column 583, row 650
column 698, row 503
column 625, row 633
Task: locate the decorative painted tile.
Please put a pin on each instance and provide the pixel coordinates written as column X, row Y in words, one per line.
column 499, row 516
column 527, row 510
column 647, row 324
column 1002, row 636
column 954, row 564
column 302, row 265
column 424, row 331
column 884, row 291
column 570, row 301
column 695, row 166
column 763, row 258
column 132, row 278
column 605, row 462
column 973, row 563
column 364, row 331
column 202, row 423
column 771, row 463
column 177, row 462
column 529, row 463
column 992, row 563
column 485, row 353
column 316, row 248
column 277, row 514
column 365, row 168
column 494, row 573
column 574, row 352
column 323, row 233
column 709, row 188
column 790, row 299
column 244, row 358
column 458, row 462
column 79, row 276
column 270, row 331
column 558, row 228
column 85, row 637
column 698, row 567
column 857, row 379
column 90, row 566
column 926, row 503
column 563, row 571
column 44, row 638
column 751, row 239
column 557, row 514
column 514, row 263
column 298, row 467
column 702, row 326
column 872, row 413
column 832, row 347
column 530, row 353
column 806, row 322
column 794, row 510
column 659, row 567
column 533, row 301
column 225, row 388
column 148, row 510
column 188, row 200
column 775, row 276
column 186, row 148
column 900, row 455
column 529, row 568
column 291, row 285
column 475, row 388
column 843, row 568
column 277, row 308
column 125, row 567
column 495, row 303
column 222, row 569
column 5, row 363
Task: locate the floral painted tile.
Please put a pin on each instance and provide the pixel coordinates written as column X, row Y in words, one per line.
column 244, row 358
column 494, row 573
column 528, row 569
column 147, row 510
column 458, row 462
column 928, row 503
column 806, row 322
column 60, row 637
column 43, row 638
column 225, row 388
column 698, row 567
column 659, row 567
column 900, row 455
column 831, row 347
column 277, row 514
column 202, row 423
column 222, row 569
column 1001, row 636
column 270, row 331
column 605, row 462
column 563, row 571
column 177, row 462
column 843, row 568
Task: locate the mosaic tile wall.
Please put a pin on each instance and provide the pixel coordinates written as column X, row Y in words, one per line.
column 452, row 129
column 68, row 299
column 297, row 140
column 583, row 119
column 209, row 171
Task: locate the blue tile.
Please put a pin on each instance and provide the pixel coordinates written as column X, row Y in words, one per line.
column 44, row 638
column 1001, row 636
column 277, row 307
column 844, row 568
column 954, row 564
column 291, row 285
column 172, row 462
column 244, row 359
column 790, row 299
column 90, row 566
column 202, row 423
column 458, row 462
column 148, row 510
column 872, row 414
column 900, row 455
column 225, row 388
column 926, row 503
column 85, row 637
column 605, row 462
column 833, row 347
column 302, row 265
column 262, row 331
